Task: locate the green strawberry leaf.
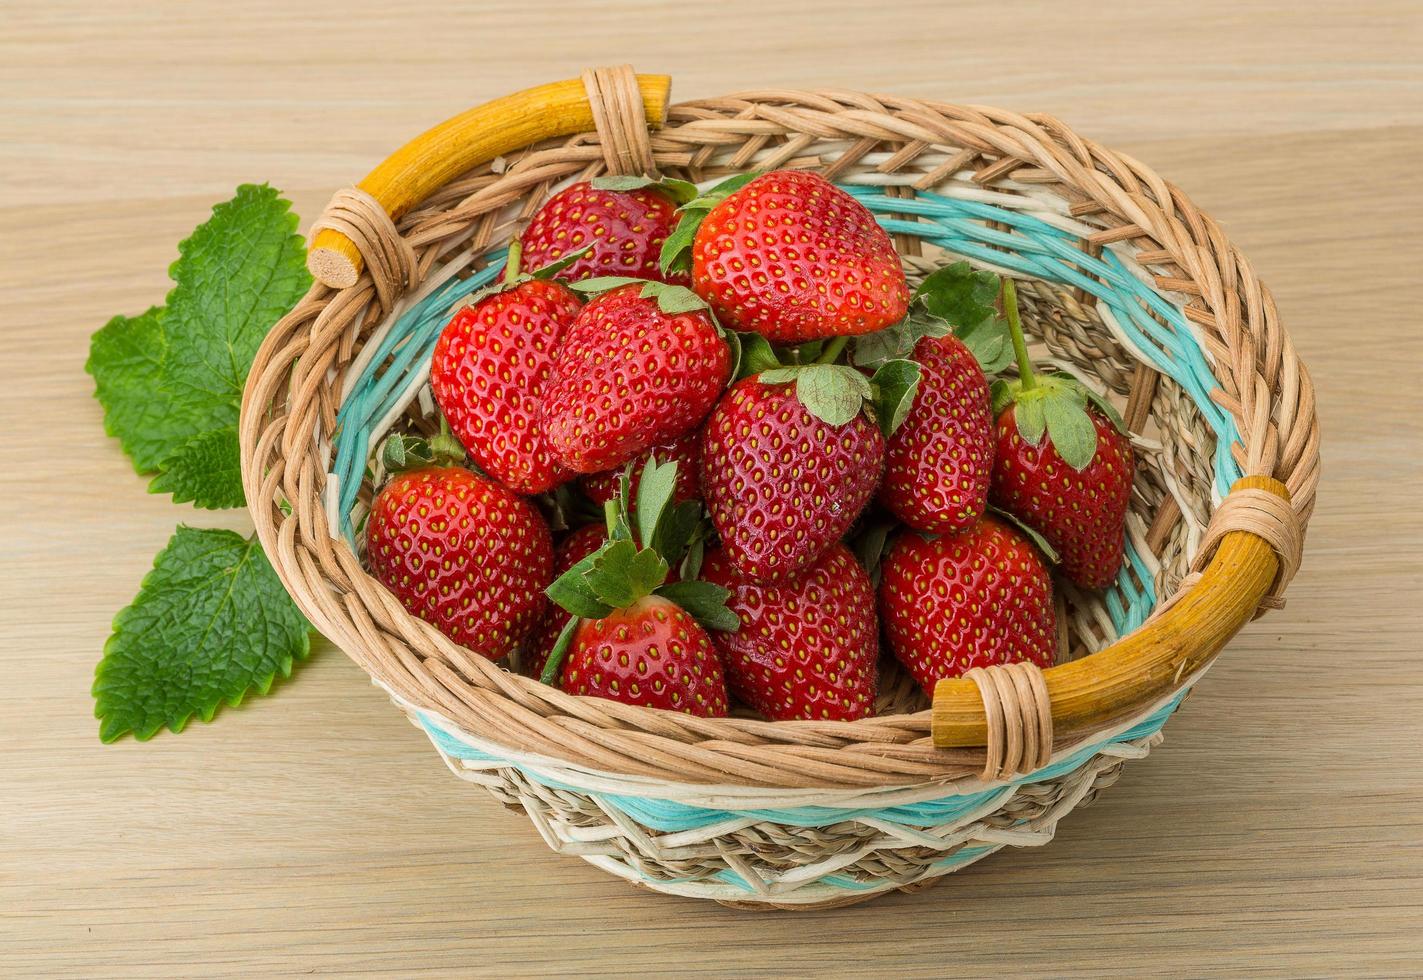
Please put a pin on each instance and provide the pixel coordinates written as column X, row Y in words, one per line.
column 833, row 393
column 655, row 487
column 553, row 666
column 673, row 299
column 402, row 452
column 895, row 384
column 680, row 191
column 210, row 624
column 736, row 352
column 571, row 590
column 1001, row 394
column 870, row 546
column 206, row 470
column 1030, row 532
column 1107, row 409
column 696, row 547
column 176, row 373
column 988, row 341
column 678, row 528
column 676, row 254
column 1071, row 430
column 601, row 284
column 551, row 270
column 705, row 602
column 1031, row 420
column 622, row 573
column 757, row 355
column 957, row 294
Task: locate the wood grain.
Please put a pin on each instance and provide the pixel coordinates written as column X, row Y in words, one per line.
column 1277, row 832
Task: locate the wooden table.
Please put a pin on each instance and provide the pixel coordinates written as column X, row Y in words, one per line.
column 1277, row 831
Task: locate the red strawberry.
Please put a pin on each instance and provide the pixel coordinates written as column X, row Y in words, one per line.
column 488, row 375
column 462, row 553
column 685, row 451
column 622, row 231
column 806, row 649
column 794, row 258
column 938, row 463
column 1064, row 465
column 571, row 550
column 972, row 599
column 781, row 484
column 651, row 653
column 629, row 376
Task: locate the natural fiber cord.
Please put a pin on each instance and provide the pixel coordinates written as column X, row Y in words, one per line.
column 1122, row 281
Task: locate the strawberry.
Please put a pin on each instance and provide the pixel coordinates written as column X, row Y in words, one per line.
column 652, row 653
column 633, row 635
column 794, row 258
column 685, row 450
column 1063, row 465
column 571, row 550
column 619, row 232
column 938, row 463
column 462, row 553
column 781, row 482
column 807, row 648
column 979, row 597
column 488, row 374
column 634, row 370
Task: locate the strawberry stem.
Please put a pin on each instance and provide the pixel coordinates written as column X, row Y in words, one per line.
column 832, row 350
column 1015, row 330
column 445, row 447
column 511, row 264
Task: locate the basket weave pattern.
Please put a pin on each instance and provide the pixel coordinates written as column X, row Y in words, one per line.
column 1122, row 281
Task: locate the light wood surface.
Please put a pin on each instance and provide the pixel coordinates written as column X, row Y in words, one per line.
column 1276, row 832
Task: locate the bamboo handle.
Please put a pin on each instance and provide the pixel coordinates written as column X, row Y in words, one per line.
column 1146, row 665
column 435, row 157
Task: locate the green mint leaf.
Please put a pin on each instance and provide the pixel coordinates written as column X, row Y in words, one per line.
column 757, row 355
column 236, row 275
column 553, row 666
column 655, row 487
column 957, row 294
column 211, row 623
column 705, row 602
column 673, row 299
column 551, row 270
column 126, row 361
column 1071, row 430
column 206, row 470
column 176, row 373
column 895, row 384
column 622, row 573
column 571, row 590
column 833, row 393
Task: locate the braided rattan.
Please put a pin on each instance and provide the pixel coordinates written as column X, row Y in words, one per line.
column 891, row 146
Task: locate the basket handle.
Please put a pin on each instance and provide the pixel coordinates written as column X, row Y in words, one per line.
column 435, row 157
column 1257, row 544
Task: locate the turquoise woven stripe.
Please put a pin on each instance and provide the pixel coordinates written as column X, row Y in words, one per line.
column 672, row 816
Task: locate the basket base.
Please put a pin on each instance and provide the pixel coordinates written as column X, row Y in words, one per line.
column 829, row 903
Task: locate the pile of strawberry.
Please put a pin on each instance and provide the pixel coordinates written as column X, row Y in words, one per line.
column 741, row 418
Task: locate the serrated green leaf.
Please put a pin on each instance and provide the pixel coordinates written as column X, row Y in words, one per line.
column 989, row 342
column 1107, row 409
column 757, row 355
column 680, row 191
column 210, row 624
column 571, row 591
column 206, row 470
column 553, row 666
column 622, row 182
column 705, row 602
column 781, row 375
column 1071, row 430
column 622, row 573
column 1028, row 413
column 957, row 294
column 833, row 393
column 895, row 384
column 731, row 185
column 874, row 349
column 655, row 487
column 176, row 373
column 678, row 528
column 403, row 452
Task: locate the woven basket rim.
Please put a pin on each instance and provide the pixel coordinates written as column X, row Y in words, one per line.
column 289, row 410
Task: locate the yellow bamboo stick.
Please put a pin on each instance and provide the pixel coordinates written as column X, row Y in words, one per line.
column 1146, row 665
column 438, row 155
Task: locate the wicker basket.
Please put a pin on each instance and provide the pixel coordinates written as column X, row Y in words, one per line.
column 1122, row 280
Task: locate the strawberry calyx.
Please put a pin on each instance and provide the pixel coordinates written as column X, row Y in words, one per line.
column 837, row 393
column 676, row 254
column 1055, row 404
column 402, row 451
column 644, row 541
column 671, row 299
column 956, row 299
column 681, row 192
